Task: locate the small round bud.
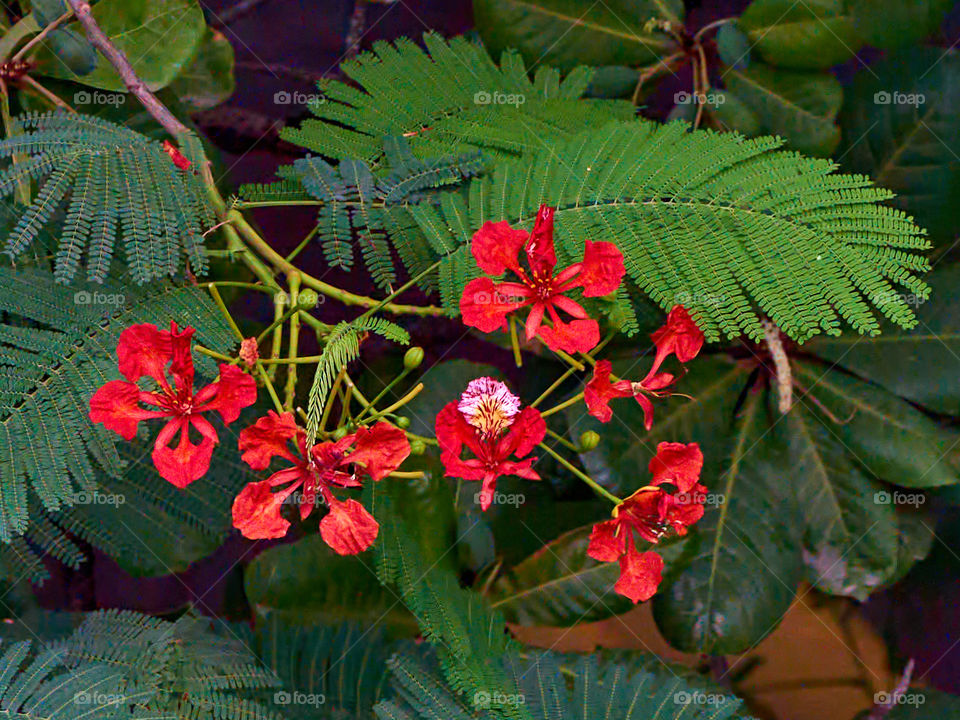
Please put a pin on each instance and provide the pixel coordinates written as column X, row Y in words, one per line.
column 413, row 358
column 403, row 422
column 418, row 447
column 307, row 299
column 589, row 440
column 340, row 433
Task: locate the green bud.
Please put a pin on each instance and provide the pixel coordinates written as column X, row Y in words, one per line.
column 413, row 358
column 589, row 440
column 403, row 422
column 340, row 433
column 307, row 299
column 418, row 447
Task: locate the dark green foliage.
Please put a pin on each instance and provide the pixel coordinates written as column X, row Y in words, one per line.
column 110, row 183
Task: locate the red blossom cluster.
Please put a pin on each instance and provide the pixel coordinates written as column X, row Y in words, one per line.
column 484, row 435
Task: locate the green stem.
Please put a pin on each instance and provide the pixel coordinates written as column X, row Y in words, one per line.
column 515, row 343
column 563, row 441
column 597, row 487
column 556, row 383
column 565, row 404
column 379, row 397
column 293, row 342
column 303, row 243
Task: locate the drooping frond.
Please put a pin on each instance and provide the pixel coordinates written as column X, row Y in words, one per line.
column 111, row 184
column 729, row 227
column 354, row 203
column 343, row 347
column 448, row 100
column 57, row 346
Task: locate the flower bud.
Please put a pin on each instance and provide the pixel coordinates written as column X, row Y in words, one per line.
column 418, row 447
column 589, row 440
column 413, row 358
column 340, row 433
column 402, row 422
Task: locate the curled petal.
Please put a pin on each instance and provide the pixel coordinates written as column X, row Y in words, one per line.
column 540, row 252
column 256, row 512
column 602, row 269
column 145, row 350
column 232, row 392
column 487, row 490
column 186, row 462
column 464, row 469
column 600, row 391
column 528, row 429
column 679, row 335
column 647, row 405
column 267, row 438
column 485, row 306
column 572, row 337
column 640, row 575
column 116, row 406
column 523, row 469
column 677, row 463
column 348, row 528
column 605, row 543
column 380, row 449
column 534, row 320
column 496, row 247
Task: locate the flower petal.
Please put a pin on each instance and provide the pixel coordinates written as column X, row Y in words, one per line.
column 485, row 307
column 380, row 449
column 605, row 545
column 600, row 391
column 116, row 406
column 144, row 350
column 679, row 335
column 540, row 252
column 256, row 512
column 453, row 431
column 186, row 462
column 528, row 429
column 348, row 528
column 602, row 269
column 640, row 575
column 677, row 463
column 487, row 490
column 496, row 247
column 181, row 365
column 575, row 336
column 234, row 390
column 464, row 469
column 268, row 438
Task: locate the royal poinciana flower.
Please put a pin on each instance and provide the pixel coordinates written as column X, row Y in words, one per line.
column 488, row 421
column 650, row 514
column 145, row 351
column 496, row 247
column 348, row 528
column 679, row 336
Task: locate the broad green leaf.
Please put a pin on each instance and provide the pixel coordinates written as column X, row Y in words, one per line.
column 900, row 120
column 159, row 37
column 849, row 532
column 561, row 585
column 74, row 50
column 734, row 114
column 209, row 80
column 733, row 46
column 567, row 33
column 307, row 579
column 803, row 35
column 891, row 24
column 799, row 106
column 922, row 365
column 889, row 438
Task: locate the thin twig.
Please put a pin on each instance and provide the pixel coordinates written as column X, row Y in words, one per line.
column 40, row 36
column 128, row 75
column 781, row 362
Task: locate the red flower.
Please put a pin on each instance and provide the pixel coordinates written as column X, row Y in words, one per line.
column 680, row 335
column 650, row 513
column 179, row 159
column 488, row 421
column 348, row 528
column 144, row 350
column 496, row 248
